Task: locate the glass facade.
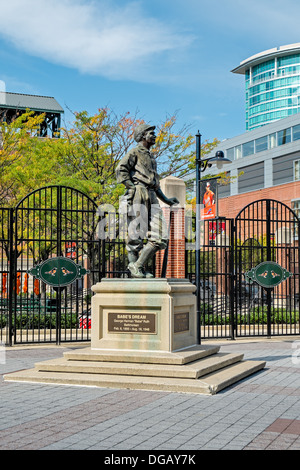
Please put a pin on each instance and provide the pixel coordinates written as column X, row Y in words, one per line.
column 272, row 90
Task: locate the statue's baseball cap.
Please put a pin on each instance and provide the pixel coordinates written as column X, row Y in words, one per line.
column 139, row 131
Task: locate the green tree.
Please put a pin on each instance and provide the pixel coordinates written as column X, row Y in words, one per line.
column 86, row 155
column 17, row 140
column 175, row 150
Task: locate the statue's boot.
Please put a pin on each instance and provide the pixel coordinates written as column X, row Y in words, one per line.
column 137, row 268
column 133, row 256
column 135, row 271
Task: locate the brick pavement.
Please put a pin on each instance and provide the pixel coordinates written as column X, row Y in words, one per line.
column 260, row 412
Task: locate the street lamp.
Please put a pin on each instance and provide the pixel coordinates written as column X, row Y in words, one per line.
column 201, row 165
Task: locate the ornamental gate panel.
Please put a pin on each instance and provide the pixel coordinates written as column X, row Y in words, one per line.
column 49, row 222
column 215, row 282
column 55, row 222
column 232, row 302
column 266, row 233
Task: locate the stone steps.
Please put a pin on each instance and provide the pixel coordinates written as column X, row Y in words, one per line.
column 184, row 356
column 208, row 385
column 192, row 371
column 204, row 370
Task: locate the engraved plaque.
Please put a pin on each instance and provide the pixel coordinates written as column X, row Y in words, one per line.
column 181, row 322
column 141, row 323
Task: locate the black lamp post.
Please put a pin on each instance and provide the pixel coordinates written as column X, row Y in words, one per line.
column 201, row 166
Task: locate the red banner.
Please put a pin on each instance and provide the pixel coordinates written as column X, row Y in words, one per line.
column 209, row 198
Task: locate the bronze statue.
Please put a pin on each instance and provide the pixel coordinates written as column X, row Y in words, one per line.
column 138, row 172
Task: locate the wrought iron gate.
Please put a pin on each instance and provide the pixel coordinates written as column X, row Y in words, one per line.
column 215, row 278
column 231, row 304
column 266, row 231
column 51, row 221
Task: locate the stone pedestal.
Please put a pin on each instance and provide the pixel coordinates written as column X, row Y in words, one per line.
column 144, row 337
column 143, row 315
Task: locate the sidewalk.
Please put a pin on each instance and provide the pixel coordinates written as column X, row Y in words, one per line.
column 260, row 412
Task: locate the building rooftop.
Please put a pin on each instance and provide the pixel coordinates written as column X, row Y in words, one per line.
column 33, row 102
column 266, row 55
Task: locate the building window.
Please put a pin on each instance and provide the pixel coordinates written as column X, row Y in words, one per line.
column 296, row 170
column 284, row 136
column 238, row 152
column 264, row 143
column 230, row 153
column 261, row 144
column 248, row 148
column 296, row 132
column 296, row 207
column 272, row 140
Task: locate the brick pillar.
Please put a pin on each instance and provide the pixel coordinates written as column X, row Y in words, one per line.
column 284, row 239
column 172, row 186
column 222, row 263
column 87, row 278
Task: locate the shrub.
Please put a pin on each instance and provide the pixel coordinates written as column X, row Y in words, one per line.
column 256, row 316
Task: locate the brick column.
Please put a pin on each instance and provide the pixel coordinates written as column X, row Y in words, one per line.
column 222, row 263
column 284, row 240
column 172, row 186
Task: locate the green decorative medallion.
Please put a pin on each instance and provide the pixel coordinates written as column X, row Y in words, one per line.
column 268, row 274
column 58, row 272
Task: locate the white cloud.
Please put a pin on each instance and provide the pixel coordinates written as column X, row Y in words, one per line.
column 97, row 37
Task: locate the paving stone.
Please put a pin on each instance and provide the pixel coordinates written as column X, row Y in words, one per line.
column 261, row 412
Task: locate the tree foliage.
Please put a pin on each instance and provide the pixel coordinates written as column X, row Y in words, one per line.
column 86, row 154
column 17, row 140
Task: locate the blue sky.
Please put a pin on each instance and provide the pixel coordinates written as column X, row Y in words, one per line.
column 156, row 57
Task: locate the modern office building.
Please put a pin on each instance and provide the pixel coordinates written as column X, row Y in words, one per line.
column 272, row 80
column 265, row 164
column 266, row 158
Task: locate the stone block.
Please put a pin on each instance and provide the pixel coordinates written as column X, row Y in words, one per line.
column 144, row 315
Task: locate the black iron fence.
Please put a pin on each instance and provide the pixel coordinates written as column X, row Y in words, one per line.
column 233, row 305
column 52, row 221
column 61, row 221
column 216, row 275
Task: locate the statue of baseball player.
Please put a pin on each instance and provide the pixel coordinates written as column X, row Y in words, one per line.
column 138, row 172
